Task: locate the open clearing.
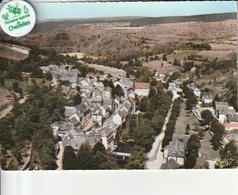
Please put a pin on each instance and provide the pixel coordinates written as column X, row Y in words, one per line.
column 166, row 69
column 185, row 118
column 103, row 39
column 24, row 84
column 79, row 55
column 5, row 97
column 108, row 69
column 214, row 54
column 13, row 52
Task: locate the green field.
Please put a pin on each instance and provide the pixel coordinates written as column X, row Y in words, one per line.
column 181, row 54
column 25, row 84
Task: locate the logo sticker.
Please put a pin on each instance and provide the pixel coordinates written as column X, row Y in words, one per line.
column 18, row 18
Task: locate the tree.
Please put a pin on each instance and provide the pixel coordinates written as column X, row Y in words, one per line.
column 207, row 116
column 190, row 161
column 117, row 91
column 85, row 159
column 188, row 65
column 187, row 129
column 2, row 81
column 24, row 127
column 6, row 138
column 48, row 76
column 193, row 145
column 77, row 99
column 152, row 93
column 153, row 82
column 15, row 86
column 229, row 155
column 33, row 114
column 103, row 160
column 99, row 147
column 143, row 106
column 43, row 144
column 69, row 159
column 144, row 134
column 137, row 158
column 164, row 57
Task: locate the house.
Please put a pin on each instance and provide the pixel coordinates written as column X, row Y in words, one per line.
column 120, row 116
column 116, row 102
column 123, row 151
column 96, row 101
column 231, row 122
column 74, row 138
column 232, row 118
column 75, row 119
column 207, row 98
column 89, row 125
column 60, row 128
column 142, row 89
column 107, row 137
column 92, row 75
column 197, row 92
column 127, row 104
column 232, row 135
column 231, row 126
column 107, row 92
column 175, row 150
column 171, row 164
column 85, row 112
column 172, row 87
column 222, row 109
column 98, row 116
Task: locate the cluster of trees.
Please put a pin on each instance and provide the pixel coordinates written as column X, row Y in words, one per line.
column 200, row 46
column 222, row 65
column 116, row 91
column 31, row 122
column 215, row 127
column 134, row 60
column 231, row 95
column 196, row 57
column 229, row 155
column 144, row 127
column 188, row 65
column 88, row 158
column 191, row 98
column 170, row 127
column 193, row 145
column 137, row 158
column 84, row 69
column 16, row 88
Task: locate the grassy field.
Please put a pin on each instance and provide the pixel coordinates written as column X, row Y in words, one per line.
column 25, row 84
column 181, row 54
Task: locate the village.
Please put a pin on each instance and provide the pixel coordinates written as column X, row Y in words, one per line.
column 100, row 116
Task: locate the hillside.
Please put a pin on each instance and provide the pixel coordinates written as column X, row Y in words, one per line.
column 54, row 26
column 130, row 35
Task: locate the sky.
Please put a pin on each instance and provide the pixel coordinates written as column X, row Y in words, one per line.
column 46, row 11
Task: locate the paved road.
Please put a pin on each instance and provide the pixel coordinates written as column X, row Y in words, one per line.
column 60, row 156
column 155, row 156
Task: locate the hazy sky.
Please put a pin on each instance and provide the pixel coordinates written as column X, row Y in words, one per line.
column 46, row 11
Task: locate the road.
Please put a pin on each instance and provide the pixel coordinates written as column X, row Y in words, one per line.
column 7, row 110
column 155, row 156
column 60, row 156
